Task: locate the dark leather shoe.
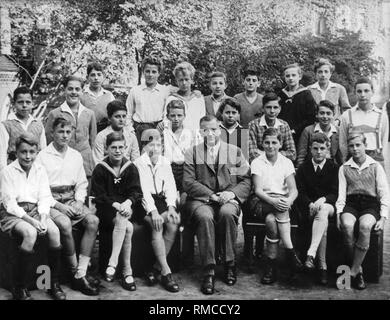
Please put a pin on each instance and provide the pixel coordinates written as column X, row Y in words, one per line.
column 84, row 287
column 309, row 263
column 269, row 275
column 323, row 277
column 294, row 262
column 21, row 294
column 230, row 275
column 151, row 279
column 208, row 284
column 129, row 286
column 93, row 280
column 358, row 282
column 56, row 292
column 169, row 284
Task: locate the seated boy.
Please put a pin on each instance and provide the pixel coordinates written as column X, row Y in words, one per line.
column 216, row 179
column 19, row 122
column 159, row 202
column 231, row 130
column 274, row 193
column 363, row 198
column 217, row 86
column 176, row 139
column 297, row 102
column 95, row 97
column 117, row 194
column 270, row 119
column 251, row 102
column 194, row 102
column 68, row 184
column 325, row 116
column 317, row 183
column 24, row 213
column 117, row 114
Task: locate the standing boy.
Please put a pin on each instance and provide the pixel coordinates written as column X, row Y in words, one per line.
column 117, row 115
column 317, row 193
column 325, row 116
column 95, row 97
column 364, row 198
column 270, row 119
column 68, row 184
column 19, row 122
column 250, row 100
column 217, row 86
column 366, row 117
column 145, row 103
column 298, row 104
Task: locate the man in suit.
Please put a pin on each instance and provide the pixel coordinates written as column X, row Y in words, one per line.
column 217, row 180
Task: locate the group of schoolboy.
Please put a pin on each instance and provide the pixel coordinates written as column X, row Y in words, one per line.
column 170, row 157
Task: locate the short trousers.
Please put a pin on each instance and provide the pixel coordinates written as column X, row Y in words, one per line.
column 257, row 209
column 359, row 205
column 9, row 221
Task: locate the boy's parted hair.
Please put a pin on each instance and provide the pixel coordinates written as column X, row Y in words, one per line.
column 364, row 80
column 320, row 137
column 355, row 133
column 114, row 136
column 94, row 66
column 270, row 96
column 62, row 122
column 229, row 102
column 22, row 90
column 272, row 132
column 114, row 106
column 152, row 60
column 207, row 118
column 217, row 74
column 326, row 103
column 319, row 62
column 67, row 79
column 176, row 104
column 293, row 65
column 250, row 71
column 184, row 67
column 28, row 138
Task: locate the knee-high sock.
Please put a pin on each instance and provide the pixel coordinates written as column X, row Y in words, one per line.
column 361, row 247
column 82, row 267
column 284, row 228
column 321, row 252
column 160, row 253
column 349, row 243
column 118, row 235
column 169, row 238
column 126, row 251
column 320, row 224
column 272, row 247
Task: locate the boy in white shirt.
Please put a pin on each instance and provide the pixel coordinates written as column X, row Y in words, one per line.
column 274, row 193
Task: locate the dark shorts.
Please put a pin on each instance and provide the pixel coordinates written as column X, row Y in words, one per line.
column 257, row 209
column 359, row 205
column 9, row 221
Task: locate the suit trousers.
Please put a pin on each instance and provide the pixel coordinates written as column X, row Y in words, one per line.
column 211, row 220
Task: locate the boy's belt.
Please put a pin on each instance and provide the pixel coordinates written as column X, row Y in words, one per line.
column 61, row 189
column 155, row 123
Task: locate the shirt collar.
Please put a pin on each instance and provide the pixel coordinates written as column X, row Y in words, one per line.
column 101, row 92
column 237, row 125
column 148, row 163
column 157, row 87
column 317, row 128
column 52, row 150
column 263, row 157
column 366, row 163
column 263, row 123
column 321, row 165
column 15, row 164
column 220, row 98
column 317, row 86
column 13, row 116
column 374, row 108
column 65, row 108
column 215, row 148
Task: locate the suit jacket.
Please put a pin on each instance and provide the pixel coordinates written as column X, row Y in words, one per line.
column 201, row 178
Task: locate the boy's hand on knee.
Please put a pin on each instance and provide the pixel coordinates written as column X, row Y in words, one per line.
column 380, row 224
column 173, row 216
column 78, row 207
column 157, row 220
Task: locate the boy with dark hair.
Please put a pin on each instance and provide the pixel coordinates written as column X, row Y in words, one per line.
column 217, row 85
column 274, row 193
column 19, row 122
column 364, row 198
column 269, row 119
column 365, row 116
column 325, row 117
column 250, row 100
column 317, row 183
column 145, row 102
column 117, row 115
column 95, row 97
column 231, row 130
column 117, row 194
column 68, row 184
column 297, row 102
column 26, row 201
